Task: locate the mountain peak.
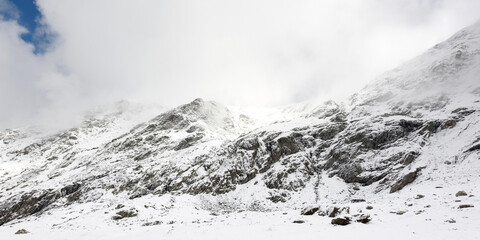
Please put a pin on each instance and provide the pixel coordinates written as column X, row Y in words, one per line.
column 449, row 69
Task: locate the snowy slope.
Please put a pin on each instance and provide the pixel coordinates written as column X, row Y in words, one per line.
column 399, row 152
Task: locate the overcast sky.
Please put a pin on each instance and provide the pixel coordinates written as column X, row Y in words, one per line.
column 248, row 52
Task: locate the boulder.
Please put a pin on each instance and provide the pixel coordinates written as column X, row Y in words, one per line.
column 22, row 231
column 363, row 219
column 341, row 221
column 419, row 196
column 461, row 193
column 451, row 220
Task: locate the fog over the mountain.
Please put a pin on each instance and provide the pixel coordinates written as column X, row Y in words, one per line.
column 235, row 52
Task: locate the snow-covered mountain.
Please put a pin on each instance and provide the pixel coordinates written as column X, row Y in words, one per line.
column 404, row 149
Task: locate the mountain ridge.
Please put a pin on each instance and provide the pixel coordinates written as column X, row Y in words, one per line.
column 409, row 124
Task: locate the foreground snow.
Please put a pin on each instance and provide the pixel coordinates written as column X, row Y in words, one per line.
column 274, row 225
column 434, row 216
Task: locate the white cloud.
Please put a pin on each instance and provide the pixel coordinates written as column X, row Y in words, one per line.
column 237, row 52
column 18, row 71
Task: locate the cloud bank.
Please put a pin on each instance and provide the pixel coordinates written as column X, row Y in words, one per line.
column 247, row 52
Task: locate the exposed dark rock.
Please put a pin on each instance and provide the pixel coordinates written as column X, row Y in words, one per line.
column 465, row 206
column 298, row 221
column 410, row 157
column 28, row 204
column 363, row 219
column 350, row 173
column 286, row 146
column 399, row 212
column 405, row 180
column 138, row 192
column 461, row 193
column 328, row 132
column 309, row 211
column 74, row 196
column 369, row 208
column 169, row 120
column 281, row 197
column 22, row 231
column 67, row 190
column 448, row 124
column 463, row 111
column 279, row 180
column 125, row 214
column 431, row 127
column 459, row 110
column 194, row 128
column 143, row 155
column 341, row 221
column 188, row 141
column 340, row 117
column 419, row 196
column 474, row 148
column 358, row 200
column 335, row 211
column 248, row 144
column 451, row 220
column 410, row 125
column 378, row 139
column 370, row 139
column 152, row 223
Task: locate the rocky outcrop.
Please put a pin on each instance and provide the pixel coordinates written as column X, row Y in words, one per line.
column 125, row 214
column 33, row 202
column 309, row 211
column 28, row 204
column 405, row 180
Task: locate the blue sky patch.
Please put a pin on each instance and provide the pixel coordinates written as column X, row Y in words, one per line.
column 27, row 15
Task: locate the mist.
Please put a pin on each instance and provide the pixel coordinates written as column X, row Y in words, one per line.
column 262, row 53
